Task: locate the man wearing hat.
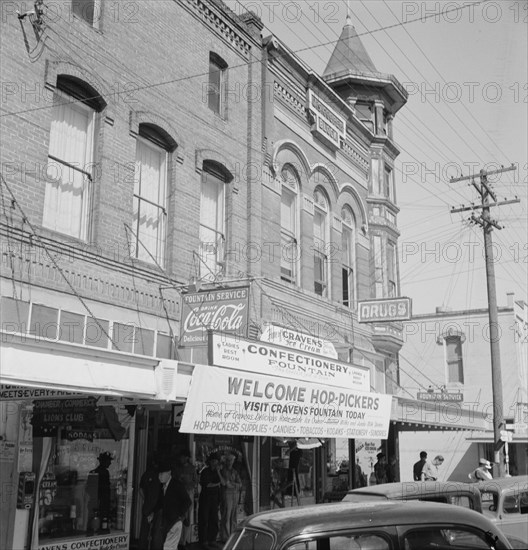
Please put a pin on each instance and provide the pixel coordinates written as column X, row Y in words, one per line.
column 98, row 492
column 172, row 506
column 209, row 502
column 380, row 469
column 483, row 472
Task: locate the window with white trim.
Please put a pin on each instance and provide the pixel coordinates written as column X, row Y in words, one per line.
column 289, row 240
column 348, row 246
column 68, row 193
column 321, row 245
column 150, row 196
column 212, row 223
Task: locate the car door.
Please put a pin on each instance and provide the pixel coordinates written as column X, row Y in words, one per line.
column 513, row 513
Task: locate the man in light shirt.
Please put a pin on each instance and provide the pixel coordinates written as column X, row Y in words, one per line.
column 430, row 470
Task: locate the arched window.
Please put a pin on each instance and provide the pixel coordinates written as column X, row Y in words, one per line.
column 289, row 231
column 69, row 185
column 212, row 221
column 150, row 194
column 321, row 243
column 348, row 256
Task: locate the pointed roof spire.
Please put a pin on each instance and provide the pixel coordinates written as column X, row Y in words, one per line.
column 349, row 53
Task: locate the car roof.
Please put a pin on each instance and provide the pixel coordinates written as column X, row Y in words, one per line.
column 502, row 483
column 413, row 489
column 324, row 518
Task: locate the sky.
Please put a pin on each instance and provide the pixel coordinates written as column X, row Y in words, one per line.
column 466, row 73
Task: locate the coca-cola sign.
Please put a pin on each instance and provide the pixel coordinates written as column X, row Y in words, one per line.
column 224, row 311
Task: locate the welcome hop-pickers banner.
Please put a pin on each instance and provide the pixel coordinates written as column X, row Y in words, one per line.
column 223, row 401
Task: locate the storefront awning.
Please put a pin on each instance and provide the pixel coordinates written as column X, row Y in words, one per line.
column 487, row 437
column 425, row 415
column 69, row 367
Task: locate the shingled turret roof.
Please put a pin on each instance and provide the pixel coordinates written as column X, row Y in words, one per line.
column 349, row 54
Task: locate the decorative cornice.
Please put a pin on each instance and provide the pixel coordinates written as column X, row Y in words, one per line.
column 218, row 24
column 281, row 93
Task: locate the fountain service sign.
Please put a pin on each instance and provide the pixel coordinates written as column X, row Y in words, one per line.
column 224, row 311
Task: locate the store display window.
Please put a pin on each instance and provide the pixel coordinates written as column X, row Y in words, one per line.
column 81, row 463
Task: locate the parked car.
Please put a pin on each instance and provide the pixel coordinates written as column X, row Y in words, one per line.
column 376, row 525
column 505, row 502
column 459, row 493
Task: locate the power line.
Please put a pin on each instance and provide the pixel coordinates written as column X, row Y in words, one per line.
column 197, row 75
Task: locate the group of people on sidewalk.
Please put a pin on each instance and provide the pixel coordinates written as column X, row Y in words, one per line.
column 168, row 493
column 423, row 470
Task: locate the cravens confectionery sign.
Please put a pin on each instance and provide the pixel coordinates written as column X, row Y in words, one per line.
column 224, row 311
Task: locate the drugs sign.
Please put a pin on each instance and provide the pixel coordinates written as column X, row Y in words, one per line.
column 391, row 309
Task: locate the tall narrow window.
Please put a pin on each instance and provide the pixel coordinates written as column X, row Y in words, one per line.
column 365, row 113
column 455, row 367
column 216, row 85
column 347, row 257
column 378, row 267
column 289, row 242
column 320, row 244
column 392, row 270
column 150, row 196
column 388, row 186
column 212, row 223
column 68, row 194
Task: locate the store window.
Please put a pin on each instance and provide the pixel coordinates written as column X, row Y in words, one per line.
column 292, row 473
column 82, row 455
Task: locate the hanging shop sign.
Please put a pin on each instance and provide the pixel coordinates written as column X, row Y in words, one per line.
column 105, row 542
column 223, row 401
column 9, row 392
column 328, row 124
column 392, row 309
column 264, row 358
column 440, row 396
column 76, row 417
column 298, row 340
column 223, row 310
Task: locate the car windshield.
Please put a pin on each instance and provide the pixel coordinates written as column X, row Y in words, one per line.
column 249, row 539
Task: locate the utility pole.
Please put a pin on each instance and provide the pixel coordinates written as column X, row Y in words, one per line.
column 487, row 223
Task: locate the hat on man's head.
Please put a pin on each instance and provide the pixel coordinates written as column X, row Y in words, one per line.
column 486, row 463
column 164, row 466
column 105, row 456
column 380, row 455
column 213, row 456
